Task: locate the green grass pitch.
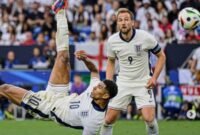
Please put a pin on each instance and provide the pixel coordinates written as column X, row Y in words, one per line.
column 35, row 127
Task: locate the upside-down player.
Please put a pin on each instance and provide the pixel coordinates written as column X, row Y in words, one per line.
column 86, row 111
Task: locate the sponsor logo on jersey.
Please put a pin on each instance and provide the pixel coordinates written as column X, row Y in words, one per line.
column 84, row 114
column 138, row 49
column 117, row 52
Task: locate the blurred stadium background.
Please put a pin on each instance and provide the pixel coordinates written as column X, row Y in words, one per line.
column 27, row 52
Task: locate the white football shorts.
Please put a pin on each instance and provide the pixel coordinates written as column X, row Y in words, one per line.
column 143, row 97
column 43, row 102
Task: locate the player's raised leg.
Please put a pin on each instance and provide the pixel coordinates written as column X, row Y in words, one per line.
column 60, row 73
column 61, row 69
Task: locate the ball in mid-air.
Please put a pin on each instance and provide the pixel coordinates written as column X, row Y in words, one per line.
column 189, row 18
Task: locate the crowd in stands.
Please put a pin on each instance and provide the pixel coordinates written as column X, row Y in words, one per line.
column 31, row 22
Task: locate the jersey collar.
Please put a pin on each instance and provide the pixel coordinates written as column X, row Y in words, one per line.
column 97, row 107
column 133, row 35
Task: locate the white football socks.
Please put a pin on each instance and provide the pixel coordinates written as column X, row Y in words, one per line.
column 152, row 127
column 62, row 34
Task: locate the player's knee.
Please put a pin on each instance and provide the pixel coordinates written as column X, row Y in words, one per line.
column 63, row 56
column 148, row 118
column 5, row 88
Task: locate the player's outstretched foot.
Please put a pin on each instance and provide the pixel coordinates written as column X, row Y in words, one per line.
column 58, row 5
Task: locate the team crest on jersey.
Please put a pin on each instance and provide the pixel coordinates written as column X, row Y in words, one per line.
column 84, row 114
column 138, row 49
column 117, row 52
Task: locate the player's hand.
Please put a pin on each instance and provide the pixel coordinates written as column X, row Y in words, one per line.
column 151, row 83
column 81, row 55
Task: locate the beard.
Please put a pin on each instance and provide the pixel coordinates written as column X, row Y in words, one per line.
column 125, row 31
column 95, row 97
column 92, row 96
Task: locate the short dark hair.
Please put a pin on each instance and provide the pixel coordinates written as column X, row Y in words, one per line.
column 111, row 87
column 125, row 10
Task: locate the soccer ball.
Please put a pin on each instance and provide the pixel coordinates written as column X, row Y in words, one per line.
column 189, row 18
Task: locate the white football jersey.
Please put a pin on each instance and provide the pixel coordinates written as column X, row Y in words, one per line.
column 81, row 111
column 133, row 55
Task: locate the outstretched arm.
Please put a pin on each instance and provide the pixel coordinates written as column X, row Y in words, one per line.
column 159, row 65
column 81, row 55
column 110, row 69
